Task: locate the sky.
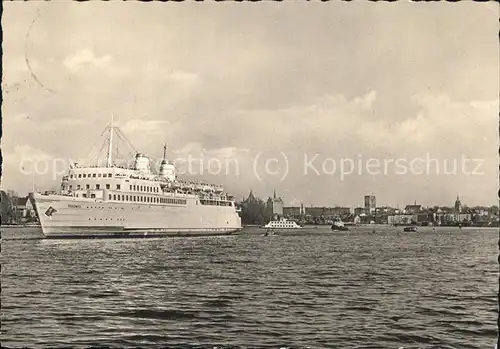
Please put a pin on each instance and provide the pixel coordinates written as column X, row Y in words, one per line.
column 322, row 102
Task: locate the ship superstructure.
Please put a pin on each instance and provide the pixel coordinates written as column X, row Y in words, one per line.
column 111, row 200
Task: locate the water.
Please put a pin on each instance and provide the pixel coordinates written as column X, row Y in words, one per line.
column 318, row 289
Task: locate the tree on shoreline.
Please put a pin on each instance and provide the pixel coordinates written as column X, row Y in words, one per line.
column 7, row 212
column 254, row 211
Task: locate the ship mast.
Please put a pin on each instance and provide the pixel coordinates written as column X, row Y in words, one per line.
column 110, row 146
column 165, row 152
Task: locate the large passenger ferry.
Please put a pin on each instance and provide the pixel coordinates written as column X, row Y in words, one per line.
column 132, row 201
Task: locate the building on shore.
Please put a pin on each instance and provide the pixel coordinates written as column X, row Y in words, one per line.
column 413, row 209
column 421, row 218
column 327, row 212
column 455, row 215
column 294, row 212
column 401, row 219
column 458, row 205
column 24, row 208
column 317, row 214
column 386, row 210
column 453, row 218
column 17, row 210
column 275, row 205
column 358, row 211
column 370, row 203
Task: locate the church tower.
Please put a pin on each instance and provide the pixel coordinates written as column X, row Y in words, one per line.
column 458, row 205
column 276, row 204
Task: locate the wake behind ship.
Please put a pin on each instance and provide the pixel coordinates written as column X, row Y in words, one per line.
column 113, row 201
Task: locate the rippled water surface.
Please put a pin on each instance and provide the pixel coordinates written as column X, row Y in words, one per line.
column 357, row 289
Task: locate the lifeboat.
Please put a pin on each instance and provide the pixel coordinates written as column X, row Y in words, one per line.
column 219, row 190
column 176, row 185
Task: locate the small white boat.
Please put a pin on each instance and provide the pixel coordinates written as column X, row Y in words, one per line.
column 282, row 224
column 338, row 225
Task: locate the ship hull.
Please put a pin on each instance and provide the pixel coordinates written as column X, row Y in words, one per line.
column 78, row 233
column 73, row 217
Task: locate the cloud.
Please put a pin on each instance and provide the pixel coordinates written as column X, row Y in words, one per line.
column 294, row 202
column 336, row 120
column 451, row 126
column 24, row 160
column 366, row 102
column 26, row 122
column 27, row 152
column 327, row 120
column 143, row 126
column 197, row 151
column 86, row 59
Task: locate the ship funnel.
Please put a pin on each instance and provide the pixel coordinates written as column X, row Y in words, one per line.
column 142, row 163
column 167, row 170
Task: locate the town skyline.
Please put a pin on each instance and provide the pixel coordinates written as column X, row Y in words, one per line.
column 256, row 86
column 362, row 204
column 264, row 198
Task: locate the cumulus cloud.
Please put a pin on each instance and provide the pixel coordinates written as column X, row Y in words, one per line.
column 143, row 126
column 366, row 102
column 86, row 59
column 25, row 163
column 439, row 122
column 453, row 126
column 196, row 148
